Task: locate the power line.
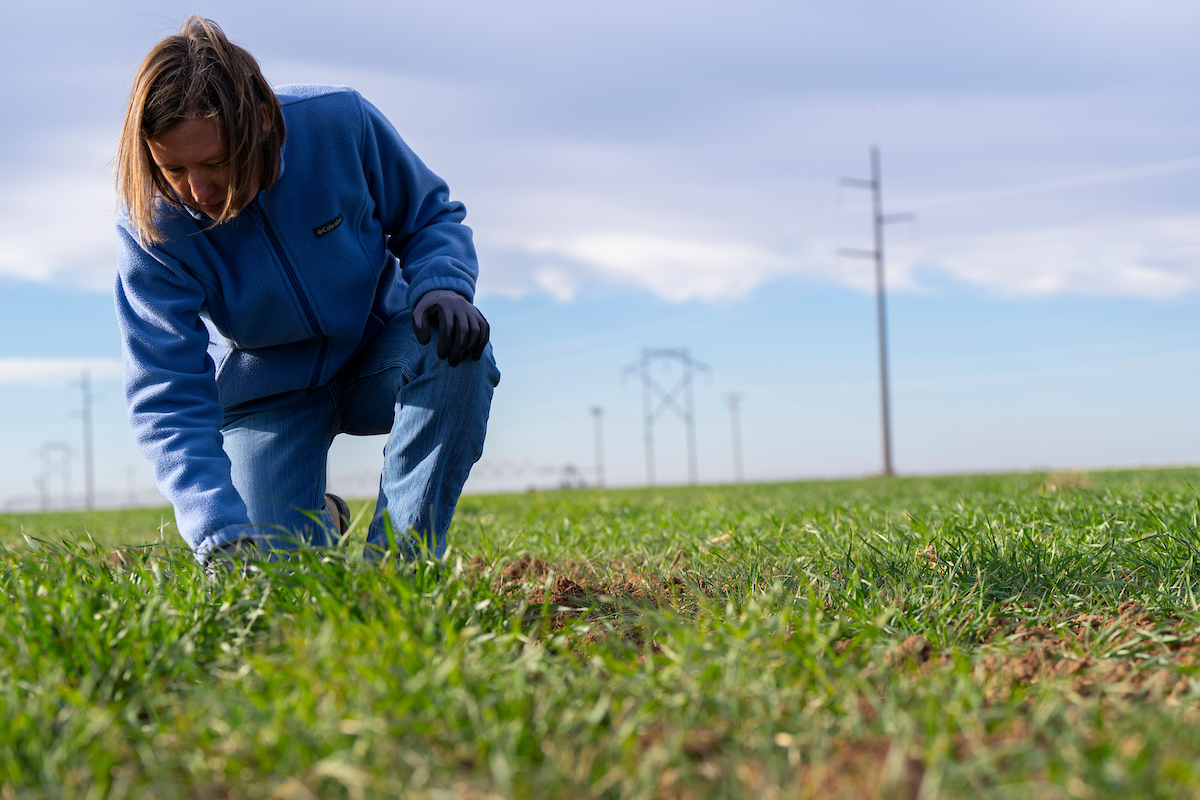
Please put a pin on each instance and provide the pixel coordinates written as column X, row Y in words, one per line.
column 656, row 400
column 569, row 474
column 878, row 220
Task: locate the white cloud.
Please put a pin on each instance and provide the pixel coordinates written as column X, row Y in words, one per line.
column 686, row 167
column 560, row 284
column 1150, row 258
column 57, row 225
column 671, row 268
column 1153, row 259
column 43, row 371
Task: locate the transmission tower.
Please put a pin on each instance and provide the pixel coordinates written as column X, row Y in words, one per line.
column 656, row 400
column 878, row 220
column 56, row 460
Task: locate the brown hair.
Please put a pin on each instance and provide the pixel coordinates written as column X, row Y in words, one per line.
column 197, row 73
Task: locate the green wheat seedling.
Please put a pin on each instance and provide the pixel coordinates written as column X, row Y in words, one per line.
column 1009, row 635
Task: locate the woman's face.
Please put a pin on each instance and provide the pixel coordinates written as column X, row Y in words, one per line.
column 194, row 158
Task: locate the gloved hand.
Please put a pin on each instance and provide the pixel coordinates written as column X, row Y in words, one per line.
column 462, row 330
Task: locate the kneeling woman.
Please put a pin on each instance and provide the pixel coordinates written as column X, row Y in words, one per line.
column 286, row 264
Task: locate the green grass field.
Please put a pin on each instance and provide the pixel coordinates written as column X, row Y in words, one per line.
column 1001, row 636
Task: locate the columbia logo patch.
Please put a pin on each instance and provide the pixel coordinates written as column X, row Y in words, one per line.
column 326, row 227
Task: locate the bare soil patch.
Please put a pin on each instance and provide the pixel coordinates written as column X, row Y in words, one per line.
column 1127, row 653
column 1124, row 652
column 579, row 584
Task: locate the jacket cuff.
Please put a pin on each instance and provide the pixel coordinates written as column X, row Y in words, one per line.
column 448, row 282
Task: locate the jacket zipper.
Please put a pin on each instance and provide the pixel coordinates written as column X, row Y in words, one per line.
column 294, row 279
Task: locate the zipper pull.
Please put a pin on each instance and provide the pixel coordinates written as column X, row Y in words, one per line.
column 256, row 213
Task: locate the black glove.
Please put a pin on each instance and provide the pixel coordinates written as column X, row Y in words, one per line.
column 461, row 328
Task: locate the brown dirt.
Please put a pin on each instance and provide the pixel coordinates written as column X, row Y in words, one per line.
column 867, row 768
column 853, row 770
column 564, row 593
column 579, row 584
column 1123, row 653
column 125, row 559
column 1066, row 481
column 1139, row 656
column 914, row 649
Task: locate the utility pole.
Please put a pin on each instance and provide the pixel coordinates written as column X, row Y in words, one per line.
column 656, row 400
column 597, row 420
column 89, row 480
column 878, row 220
column 647, row 417
column 734, row 398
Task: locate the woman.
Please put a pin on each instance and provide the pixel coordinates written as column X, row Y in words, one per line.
column 285, row 263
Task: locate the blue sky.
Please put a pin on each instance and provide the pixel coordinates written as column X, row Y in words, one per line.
column 665, row 174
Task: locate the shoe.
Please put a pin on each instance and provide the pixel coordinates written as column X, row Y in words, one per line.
column 339, row 512
column 232, row 560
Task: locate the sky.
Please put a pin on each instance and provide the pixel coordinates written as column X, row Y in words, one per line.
column 666, row 175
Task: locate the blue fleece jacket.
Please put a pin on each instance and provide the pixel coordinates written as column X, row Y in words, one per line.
column 253, row 313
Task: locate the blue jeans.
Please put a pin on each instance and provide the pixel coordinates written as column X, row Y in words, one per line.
column 435, row 417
